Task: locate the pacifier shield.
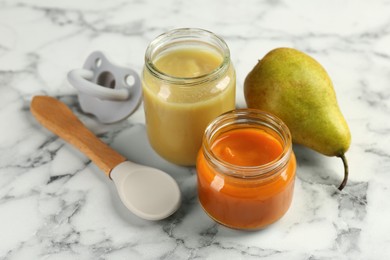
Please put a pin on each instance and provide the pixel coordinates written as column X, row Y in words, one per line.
column 109, row 92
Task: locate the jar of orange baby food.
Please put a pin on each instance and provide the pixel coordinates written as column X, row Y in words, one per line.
column 246, row 169
column 187, row 81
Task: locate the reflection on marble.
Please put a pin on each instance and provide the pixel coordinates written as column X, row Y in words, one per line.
column 55, row 204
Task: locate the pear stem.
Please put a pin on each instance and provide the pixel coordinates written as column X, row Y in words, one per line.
column 346, row 171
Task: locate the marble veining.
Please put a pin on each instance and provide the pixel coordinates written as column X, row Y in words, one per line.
column 56, row 204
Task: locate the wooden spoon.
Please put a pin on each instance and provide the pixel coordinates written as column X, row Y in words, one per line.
column 147, row 192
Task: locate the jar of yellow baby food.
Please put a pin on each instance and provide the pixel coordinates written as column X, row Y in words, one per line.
column 187, row 81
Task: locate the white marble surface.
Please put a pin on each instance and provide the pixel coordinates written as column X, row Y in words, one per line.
column 55, row 204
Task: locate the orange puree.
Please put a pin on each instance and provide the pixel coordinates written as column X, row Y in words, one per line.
column 247, row 147
column 246, row 198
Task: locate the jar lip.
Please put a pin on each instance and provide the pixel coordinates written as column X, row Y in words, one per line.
column 182, row 33
column 251, row 172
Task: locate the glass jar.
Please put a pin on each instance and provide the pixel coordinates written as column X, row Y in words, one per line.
column 187, row 81
column 240, row 192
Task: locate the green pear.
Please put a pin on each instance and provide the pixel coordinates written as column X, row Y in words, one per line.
column 296, row 88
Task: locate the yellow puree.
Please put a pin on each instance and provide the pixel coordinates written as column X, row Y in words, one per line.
column 177, row 115
column 187, row 63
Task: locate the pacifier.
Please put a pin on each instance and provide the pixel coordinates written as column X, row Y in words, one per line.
column 109, row 92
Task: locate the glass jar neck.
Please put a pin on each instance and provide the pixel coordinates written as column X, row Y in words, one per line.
column 248, row 118
column 186, row 38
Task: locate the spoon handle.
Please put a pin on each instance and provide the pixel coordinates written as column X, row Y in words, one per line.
column 58, row 118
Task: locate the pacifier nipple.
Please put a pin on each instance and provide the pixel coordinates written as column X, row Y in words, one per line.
column 109, row 92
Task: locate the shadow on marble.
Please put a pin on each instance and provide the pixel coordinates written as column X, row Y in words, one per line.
column 315, row 168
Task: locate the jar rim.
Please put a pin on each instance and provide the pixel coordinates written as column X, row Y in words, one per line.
column 196, row 34
column 255, row 117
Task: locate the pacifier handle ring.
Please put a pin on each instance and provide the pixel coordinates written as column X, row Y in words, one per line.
column 81, row 79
